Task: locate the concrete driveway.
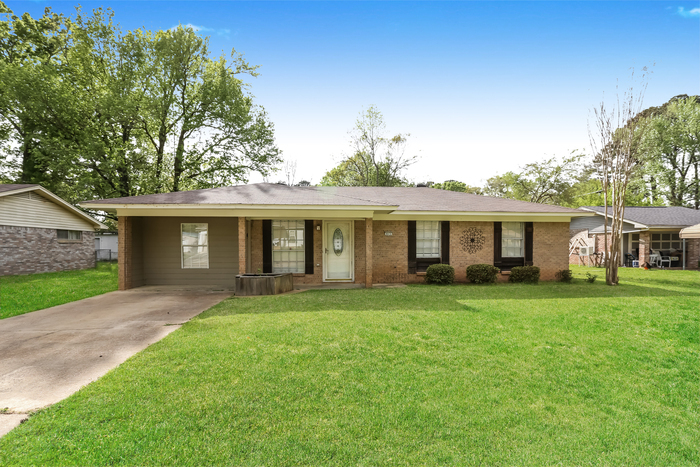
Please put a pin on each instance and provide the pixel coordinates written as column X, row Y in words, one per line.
column 47, row 355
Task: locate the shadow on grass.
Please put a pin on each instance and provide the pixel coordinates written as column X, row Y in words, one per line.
column 442, row 298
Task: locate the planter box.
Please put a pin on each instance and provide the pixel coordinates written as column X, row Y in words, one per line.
column 264, row 284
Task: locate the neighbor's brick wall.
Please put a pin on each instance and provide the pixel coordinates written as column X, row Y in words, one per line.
column 550, row 248
column 644, row 248
column 693, row 247
column 459, row 257
column 30, row 250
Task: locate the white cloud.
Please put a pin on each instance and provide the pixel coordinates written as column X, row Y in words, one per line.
column 694, row 13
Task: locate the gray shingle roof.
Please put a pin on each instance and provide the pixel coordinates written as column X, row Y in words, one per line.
column 14, row 186
column 653, row 216
column 406, row 198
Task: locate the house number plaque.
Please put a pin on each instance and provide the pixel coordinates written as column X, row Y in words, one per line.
column 338, row 242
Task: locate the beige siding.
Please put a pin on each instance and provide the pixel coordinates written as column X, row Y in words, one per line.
column 32, row 210
column 162, row 257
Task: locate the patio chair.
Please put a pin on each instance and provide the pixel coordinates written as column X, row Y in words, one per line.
column 665, row 260
column 629, row 260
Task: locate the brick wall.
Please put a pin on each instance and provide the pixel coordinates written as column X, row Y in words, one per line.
column 30, row 250
column 130, row 252
column 550, row 248
column 360, row 251
column 390, row 254
column 460, row 258
column 693, row 248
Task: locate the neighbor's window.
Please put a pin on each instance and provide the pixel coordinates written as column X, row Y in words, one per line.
column 69, row 234
column 512, row 239
column 288, row 246
column 195, row 246
column 665, row 241
column 427, row 239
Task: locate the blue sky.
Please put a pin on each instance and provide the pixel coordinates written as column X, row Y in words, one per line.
column 482, row 87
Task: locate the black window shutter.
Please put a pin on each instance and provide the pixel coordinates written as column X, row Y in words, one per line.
column 309, row 246
column 445, row 240
column 267, row 245
column 528, row 243
column 411, row 247
column 497, row 254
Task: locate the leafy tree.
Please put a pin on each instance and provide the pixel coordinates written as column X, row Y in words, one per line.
column 550, row 181
column 671, row 143
column 377, row 159
column 615, row 138
column 28, row 49
column 454, row 185
column 89, row 111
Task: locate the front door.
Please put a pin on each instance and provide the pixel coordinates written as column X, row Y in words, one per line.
column 338, row 251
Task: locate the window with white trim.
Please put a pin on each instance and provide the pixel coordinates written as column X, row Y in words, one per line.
column 69, row 234
column 195, row 246
column 512, row 240
column 427, row 239
column 288, row 246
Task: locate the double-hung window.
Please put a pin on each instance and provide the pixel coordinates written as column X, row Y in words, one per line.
column 69, row 235
column 195, row 246
column 512, row 240
column 288, row 246
column 427, row 239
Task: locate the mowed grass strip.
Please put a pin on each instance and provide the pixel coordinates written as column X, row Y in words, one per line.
column 22, row 294
column 578, row 374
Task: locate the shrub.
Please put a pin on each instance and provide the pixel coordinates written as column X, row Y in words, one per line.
column 482, row 273
column 590, row 278
column 442, row 274
column 527, row 274
column 565, row 275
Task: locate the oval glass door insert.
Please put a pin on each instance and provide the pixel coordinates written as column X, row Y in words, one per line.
column 338, row 242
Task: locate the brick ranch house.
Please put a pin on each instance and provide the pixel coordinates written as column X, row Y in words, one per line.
column 40, row 232
column 645, row 230
column 365, row 235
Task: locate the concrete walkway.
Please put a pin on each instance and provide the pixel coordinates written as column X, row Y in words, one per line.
column 47, row 355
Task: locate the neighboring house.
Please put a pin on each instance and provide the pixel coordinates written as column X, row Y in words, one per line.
column 365, row 235
column 646, row 230
column 106, row 245
column 40, row 232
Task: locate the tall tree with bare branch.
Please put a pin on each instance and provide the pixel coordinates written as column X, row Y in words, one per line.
column 615, row 137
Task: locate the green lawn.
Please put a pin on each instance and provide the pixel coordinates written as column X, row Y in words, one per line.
column 22, row 294
column 507, row 374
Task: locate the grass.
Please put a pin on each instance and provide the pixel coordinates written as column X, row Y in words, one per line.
column 22, row 294
column 506, row 374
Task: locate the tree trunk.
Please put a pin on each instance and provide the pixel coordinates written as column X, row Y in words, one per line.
column 178, row 168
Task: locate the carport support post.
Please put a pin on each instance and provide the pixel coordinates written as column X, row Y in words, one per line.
column 368, row 253
column 241, row 246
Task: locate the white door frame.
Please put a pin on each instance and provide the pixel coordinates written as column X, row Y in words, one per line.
column 352, row 248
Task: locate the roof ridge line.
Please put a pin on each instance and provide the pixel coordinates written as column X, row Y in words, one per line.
column 353, row 197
